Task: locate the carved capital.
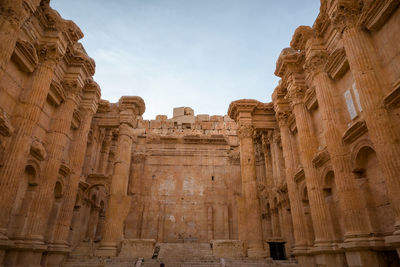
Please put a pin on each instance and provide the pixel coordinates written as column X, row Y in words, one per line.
column 245, row 131
column 282, row 117
column 296, row 94
column 13, row 12
column 72, row 87
column 345, row 14
column 315, row 61
column 49, row 52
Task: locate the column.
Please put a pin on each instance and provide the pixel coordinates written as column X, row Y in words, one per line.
column 26, row 117
column 369, row 79
column 308, row 148
column 298, row 219
column 354, row 217
column 56, row 140
column 249, row 191
column 77, row 152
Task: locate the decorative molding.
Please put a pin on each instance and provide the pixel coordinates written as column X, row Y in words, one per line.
column 299, row 175
column 377, row 12
column 25, row 56
column 337, row 64
column 392, row 100
column 292, row 123
column 98, row 179
column 76, row 119
column 310, row 99
column 321, row 158
column 37, row 150
column 6, row 128
column 64, row 170
column 56, row 94
column 355, row 130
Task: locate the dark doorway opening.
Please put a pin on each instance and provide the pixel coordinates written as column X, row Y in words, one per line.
column 277, row 250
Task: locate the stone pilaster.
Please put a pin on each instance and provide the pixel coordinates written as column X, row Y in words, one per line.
column 254, row 240
column 55, row 144
column 104, row 152
column 354, row 217
column 119, row 202
column 367, row 73
column 26, row 116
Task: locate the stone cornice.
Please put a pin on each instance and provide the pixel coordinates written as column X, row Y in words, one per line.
column 392, row 100
column 242, row 105
column 134, row 103
column 288, row 61
column 90, row 95
column 337, row 64
column 356, row 130
column 300, row 37
column 25, row 56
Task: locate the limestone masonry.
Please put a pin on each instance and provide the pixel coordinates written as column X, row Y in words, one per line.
column 310, row 179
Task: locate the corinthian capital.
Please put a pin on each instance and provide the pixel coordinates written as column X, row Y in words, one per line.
column 49, row 52
column 245, row 131
column 345, row 14
column 315, row 61
column 282, row 117
column 296, row 94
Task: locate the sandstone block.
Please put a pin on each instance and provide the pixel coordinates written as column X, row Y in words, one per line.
column 137, row 248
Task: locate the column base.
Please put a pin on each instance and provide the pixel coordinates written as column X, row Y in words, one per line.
column 305, row 260
column 107, row 250
column 57, row 252
column 256, row 253
column 25, row 253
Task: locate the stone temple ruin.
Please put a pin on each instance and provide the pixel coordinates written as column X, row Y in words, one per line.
column 310, row 179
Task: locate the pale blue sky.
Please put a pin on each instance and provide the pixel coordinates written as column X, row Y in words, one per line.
column 197, row 53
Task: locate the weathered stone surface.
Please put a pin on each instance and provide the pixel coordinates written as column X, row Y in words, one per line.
column 312, row 176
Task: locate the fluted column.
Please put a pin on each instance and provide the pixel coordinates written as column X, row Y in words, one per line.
column 249, row 191
column 76, row 159
column 26, row 117
column 296, row 206
column 353, row 212
column 13, row 15
column 56, row 140
column 367, row 73
column 308, row 147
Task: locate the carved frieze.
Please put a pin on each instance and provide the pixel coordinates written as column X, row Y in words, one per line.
column 392, row 100
column 25, row 56
column 355, row 130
